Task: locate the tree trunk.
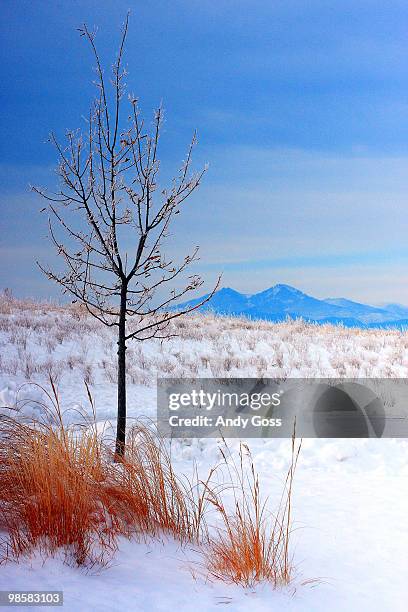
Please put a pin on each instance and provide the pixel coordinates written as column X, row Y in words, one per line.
column 121, row 425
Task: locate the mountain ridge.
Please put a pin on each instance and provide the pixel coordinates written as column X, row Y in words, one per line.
column 283, row 301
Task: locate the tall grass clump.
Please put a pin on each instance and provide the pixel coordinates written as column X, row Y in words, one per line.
column 148, row 494
column 60, row 488
column 251, row 545
column 50, row 490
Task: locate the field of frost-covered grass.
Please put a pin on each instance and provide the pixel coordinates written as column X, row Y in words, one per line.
column 350, row 498
column 42, row 340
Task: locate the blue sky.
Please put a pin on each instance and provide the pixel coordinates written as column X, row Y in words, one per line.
column 301, row 110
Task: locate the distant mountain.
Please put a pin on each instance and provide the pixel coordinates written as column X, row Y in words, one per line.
column 225, row 301
column 363, row 312
column 283, row 301
column 397, row 309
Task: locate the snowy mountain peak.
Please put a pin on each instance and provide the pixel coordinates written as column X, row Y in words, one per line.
column 279, row 291
column 289, row 288
column 227, row 291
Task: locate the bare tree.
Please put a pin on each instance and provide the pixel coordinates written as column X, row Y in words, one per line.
column 114, row 219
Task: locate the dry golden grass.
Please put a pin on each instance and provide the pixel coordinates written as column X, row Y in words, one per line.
column 251, row 545
column 147, row 493
column 61, row 490
column 50, row 491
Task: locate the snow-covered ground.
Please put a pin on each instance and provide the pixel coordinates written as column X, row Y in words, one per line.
column 350, row 503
